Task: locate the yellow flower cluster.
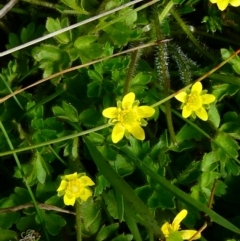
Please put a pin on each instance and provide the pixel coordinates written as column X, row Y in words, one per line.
column 168, row 228
column 128, row 118
column 75, row 186
column 193, row 102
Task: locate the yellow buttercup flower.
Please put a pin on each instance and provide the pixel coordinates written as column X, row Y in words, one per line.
column 75, row 186
column 168, row 228
column 222, row 4
column 128, row 118
column 193, row 102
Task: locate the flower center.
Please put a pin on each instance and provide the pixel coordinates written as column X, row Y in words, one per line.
column 194, row 101
column 74, row 187
column 128, row 118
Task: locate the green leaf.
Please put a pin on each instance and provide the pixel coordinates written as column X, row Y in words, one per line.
column 102, row 184
column 84, row 42
column 70, row 112
column 90, row 117
column 122, row 237
column 27, row 33
column 107, row 231
column 141, row 79
column 76, row 5
column 54, row 223
column 8, row 219
column 47, row 53
column 161, row 198
column 235, row 62
column 41, row 168
column 53, row 25
column 92, row 216
column 27, row 222
column 214, row 116
column 7, row 235
column 220, row 91
column 120, row 205
column 94, row 75
column 187, row 133
column 227, row 142
column 96, row 138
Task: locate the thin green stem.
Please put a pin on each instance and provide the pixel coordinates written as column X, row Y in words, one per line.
column 165, row 11
column 55, row 140
column 10, row 90
column 186, row 29
column 24, row 179
column 57, row 156
column 78, row 221
column 43, row 3
column 214, row 36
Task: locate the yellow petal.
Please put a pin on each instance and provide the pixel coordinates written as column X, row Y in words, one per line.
column 110, row 112
column 182, row 97
column 63, row 185
column 69, row 200
column 207, row 99
column 117, row 133
column 137, row 132
column 165, row 229
column 145, row 111
column 202, row 114
column 186, row 112
column 222, row 4
column 86, row 194
column 178, row 219
column 71, row 176
column 187, row 234
column 213, row 1
column 128, row 100
column 86, row 181
column 197, row 87
column 234, row 3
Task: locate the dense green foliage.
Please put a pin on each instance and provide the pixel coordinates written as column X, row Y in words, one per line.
column 57, row 128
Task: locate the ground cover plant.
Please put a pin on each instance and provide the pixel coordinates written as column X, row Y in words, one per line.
column 119, row 120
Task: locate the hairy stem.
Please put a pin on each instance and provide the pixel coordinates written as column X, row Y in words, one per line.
column 131, row 68
column 186, row 29
column 163, row 76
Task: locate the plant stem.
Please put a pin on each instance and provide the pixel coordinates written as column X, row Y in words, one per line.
column 131, row 68
column 55, row 140
column 186, row 29
column 165, row 11
column 24, row 179
column 163, row 75
column 78, row 221
column 42, row 3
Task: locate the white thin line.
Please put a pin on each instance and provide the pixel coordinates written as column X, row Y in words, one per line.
column 7, row 7
column 67, row 28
